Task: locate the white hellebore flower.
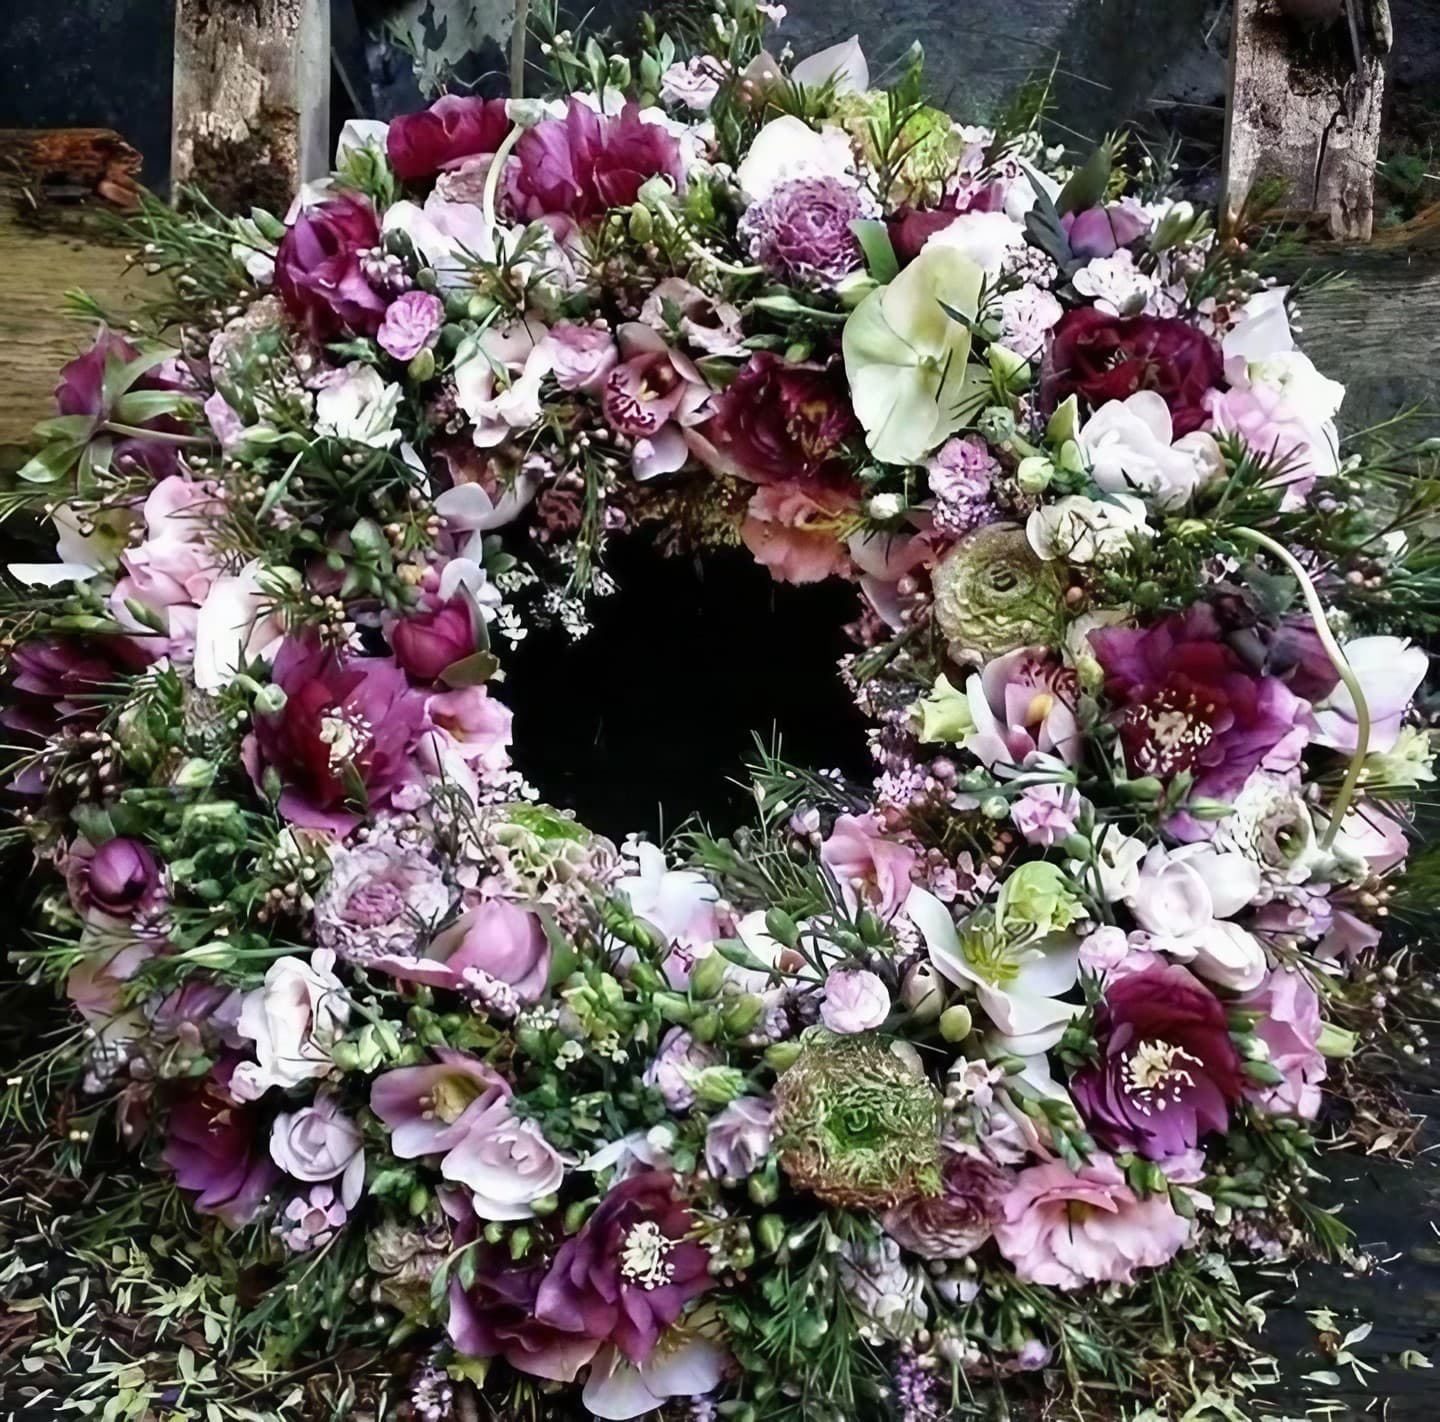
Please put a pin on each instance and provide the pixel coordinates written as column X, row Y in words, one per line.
column 1129, row 448
column 293, row 1019
column 786, row 149
column 359, row 407
column 906, row 356
column 1086, row 530
column 1182, row 900
column 1018, row 984
column 236, row 624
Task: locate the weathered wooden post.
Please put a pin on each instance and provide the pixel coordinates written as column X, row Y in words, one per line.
column 252, row 98
column 1306, row 82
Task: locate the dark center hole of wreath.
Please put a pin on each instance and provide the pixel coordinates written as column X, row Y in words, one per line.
column 651, row 718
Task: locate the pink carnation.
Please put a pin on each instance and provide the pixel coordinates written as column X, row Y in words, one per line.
column 1065, row 1229
column 412, row 322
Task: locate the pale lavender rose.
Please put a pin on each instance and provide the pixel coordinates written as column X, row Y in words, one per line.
column 317, row 1143
column 958, row 1220
column 1289, row 1023
column 1065, row 1229
column 872, row 871
column 680, row 1059
column 1046, row 814
column 738, row 1139
column 581, row 356
column 412, row 323
column 310, row 1221
column 380, row 899
column 855, row 1001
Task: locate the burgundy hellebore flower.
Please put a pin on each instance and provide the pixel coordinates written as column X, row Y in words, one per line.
column 1189, row 703
column 779, row 421
column 452, row 129
column 122, row 876
column 630, row 1272
column 348, row 726
column 215, row 1146
column 1168, row 1071
column 425, row 643
column 584, row 164
column 319, row 274
column 1103, row 358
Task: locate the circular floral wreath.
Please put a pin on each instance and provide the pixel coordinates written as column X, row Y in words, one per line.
column 997, row 1066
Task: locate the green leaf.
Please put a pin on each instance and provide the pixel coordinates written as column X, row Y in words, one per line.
column 120, row 376
column 73, row 428
column 474, row 670
column 50, row 465
column 138, row 407
column 874, row 239
column 1088, row 184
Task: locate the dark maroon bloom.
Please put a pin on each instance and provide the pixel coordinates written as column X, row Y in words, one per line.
column 584, row 164
column 1101, row 231
column 427, row 642
column 122, row 877
column 318, row 271
column 628, row 1275
column 1103, row 358
column 343, row 740
column 495, row 1318
column 215, row 1146
column 1187, row 702
column 1168, row 1071
column 81, row 391
column 782, row 422
column 911, row 227
column 452, row 129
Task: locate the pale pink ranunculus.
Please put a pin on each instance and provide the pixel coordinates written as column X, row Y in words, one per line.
column 1390, row 670
column 293, row 1019
column 1289, row 1023
column 412, row 322
column 319, row 1142
column 872, row 870
column 795, row 532
column 1046, row 814
column 582, row 357
column 855, row 1000
column 1064, row 1229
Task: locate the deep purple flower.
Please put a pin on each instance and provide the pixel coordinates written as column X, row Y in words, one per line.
column 348, row 728
column 584, row 164
column 1187, row 702
column 1103, row 358
column 215, row 1146
column 780, row 422
column 958, row 1220
column 426, row 643
column 1101, row 231
column 800, row 231
column 81, row 391
column 1168, row 1071
column 630, row 1272
column 318, row 269
column 453, row 128
column 122, row 877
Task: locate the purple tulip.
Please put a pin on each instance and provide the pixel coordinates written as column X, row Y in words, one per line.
column 123, row 877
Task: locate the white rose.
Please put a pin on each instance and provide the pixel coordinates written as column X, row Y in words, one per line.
column 1086, row 530
column 1128, row 445
column 293, row 1019
column 359, row 407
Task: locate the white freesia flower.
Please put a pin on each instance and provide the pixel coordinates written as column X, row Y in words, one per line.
column 293, row 1019
column 359, row 407
column 236, row 624
column 358, row 134
column 844, row 65
column 787, row 148
column 906, row 356
column 1129, row 447
column 1114, row 865
column 1084, row 530
column 679, row 902
column 1184, row 897
column 1018, row 984
column 82, row 553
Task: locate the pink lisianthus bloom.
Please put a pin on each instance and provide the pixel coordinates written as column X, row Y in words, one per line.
column 1065, row 1229
column 345, row 720
column 1046, row 814
column 657, row 397
column 460, row 1111
column 318, row 270
column 497, row 951
column 795, row 532
column 1289, row 1023
column 1262, row 415
column 412, row 322
column 1023, row 704
column 872, row 870
column 170, row 574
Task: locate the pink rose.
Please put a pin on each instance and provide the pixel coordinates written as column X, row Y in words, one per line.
column 318, row 1143
column 870, row 869
column 855, row 1001
column 412, row 322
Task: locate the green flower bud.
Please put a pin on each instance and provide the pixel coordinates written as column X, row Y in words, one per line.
column 1064, row 424
column 764, row 1186
column 956, row 1023
column 782, row 928
column 645, row 977
column 422, row 366
column 743, row 1015
column 1034, row 474
column 197, row 773
column 770, row 1231
column 995, row 807
column 707, row 977
column 706, row 1027
column 1011, row 370
column 1336, row 1041
column 418, row 1201
column 718, row 1085
column 781, row 1056
column 520, row 1241
column 641, row 225
column 479, row 307
column 673, row 1007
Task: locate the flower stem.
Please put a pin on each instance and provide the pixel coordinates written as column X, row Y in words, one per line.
column 518, row 38
column 490, row 200
column 1337, row 657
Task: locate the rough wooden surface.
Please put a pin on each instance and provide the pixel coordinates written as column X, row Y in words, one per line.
column 252, row 98
column 1304, row 107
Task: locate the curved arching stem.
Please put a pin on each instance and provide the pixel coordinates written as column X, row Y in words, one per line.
column 491, row 198
column 1341, row 665
column 518, row 37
